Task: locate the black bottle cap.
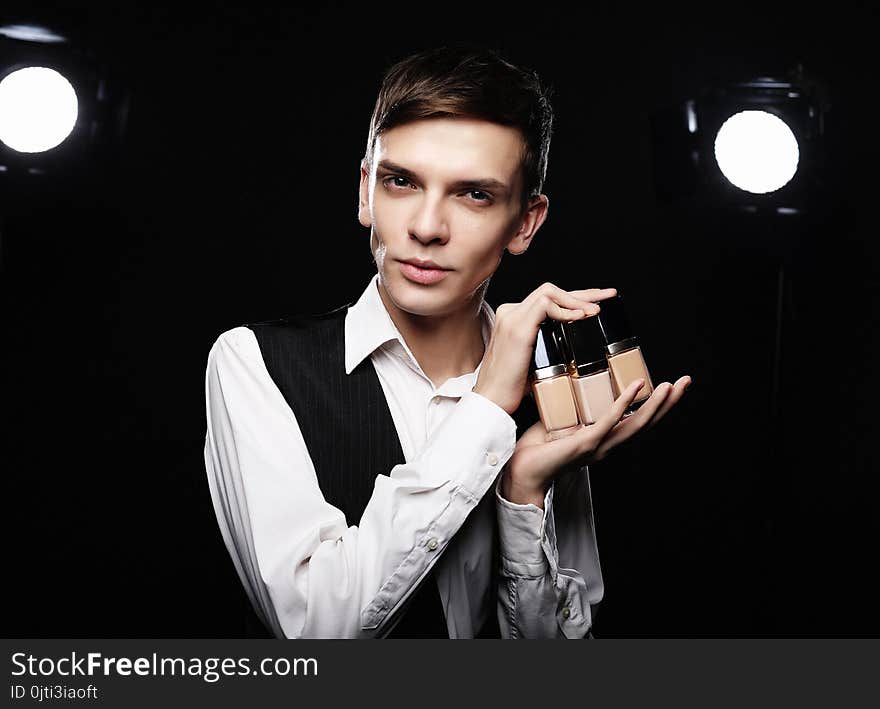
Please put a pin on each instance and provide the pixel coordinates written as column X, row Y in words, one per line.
column 585, row 345
column 613, row 320
column 549, row 349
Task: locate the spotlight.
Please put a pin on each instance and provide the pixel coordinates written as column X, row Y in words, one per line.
column 38, row 109
column 756, row 151
column 755, row 146
column 62, row 110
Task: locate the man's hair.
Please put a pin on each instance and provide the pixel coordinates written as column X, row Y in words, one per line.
column 475, row 82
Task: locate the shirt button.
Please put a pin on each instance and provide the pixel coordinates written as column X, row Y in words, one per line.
column 435, row 400
column 492, row 459
column 432, row 544
column 566, row 612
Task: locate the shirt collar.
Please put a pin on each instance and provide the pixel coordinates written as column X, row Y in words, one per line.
column 368, row 326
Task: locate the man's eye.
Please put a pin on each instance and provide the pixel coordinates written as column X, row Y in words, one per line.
column 393, row 178
column 398, row 182
column 485, row 197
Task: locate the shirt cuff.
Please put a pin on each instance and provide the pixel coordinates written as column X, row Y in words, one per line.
column 473, row 444
column 527, row 535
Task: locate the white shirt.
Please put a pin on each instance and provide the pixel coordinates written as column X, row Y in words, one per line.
column 310, row 573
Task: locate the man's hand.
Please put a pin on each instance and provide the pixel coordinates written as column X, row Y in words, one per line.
column 528, row 473
column 505, row 369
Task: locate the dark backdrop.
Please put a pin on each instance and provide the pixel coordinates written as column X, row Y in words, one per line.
column 233, row 199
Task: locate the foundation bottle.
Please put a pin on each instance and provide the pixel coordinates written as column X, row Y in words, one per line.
column 625, row 360
column 588, row 367
column 551, row 385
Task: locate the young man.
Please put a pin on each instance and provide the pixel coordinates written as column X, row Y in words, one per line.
column 364, row 463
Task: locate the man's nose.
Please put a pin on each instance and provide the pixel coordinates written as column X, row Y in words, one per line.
column 429, row 223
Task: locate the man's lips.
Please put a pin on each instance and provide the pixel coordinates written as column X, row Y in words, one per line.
column 425, row 263
column 423, row 275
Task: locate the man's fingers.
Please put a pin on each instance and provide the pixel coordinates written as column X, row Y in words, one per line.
column 562, row 451
column 598, row 439
column 546, row 289
column 674, row 397
column 578, row 299
column 559, row 306
column 589, row 439
column 635, row 423
column 648, row 409
column 594, row 294
column 611, row 417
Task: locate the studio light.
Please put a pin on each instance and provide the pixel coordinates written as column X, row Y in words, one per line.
column 755, row 146
column 63, row 110
column 756, row 151
column 38, row 109
column 752, row 150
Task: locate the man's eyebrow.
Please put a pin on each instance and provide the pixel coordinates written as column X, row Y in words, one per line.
column 484, row 182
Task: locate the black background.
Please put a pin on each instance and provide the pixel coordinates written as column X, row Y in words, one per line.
column 233, row 199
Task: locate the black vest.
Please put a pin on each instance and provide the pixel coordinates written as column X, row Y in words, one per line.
column 351, row 437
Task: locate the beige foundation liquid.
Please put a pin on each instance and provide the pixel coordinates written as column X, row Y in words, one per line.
column 628, row 366
column 594, row 396
column 556, row 404
column 588, row 367
column 551, row 385
column 625, row 360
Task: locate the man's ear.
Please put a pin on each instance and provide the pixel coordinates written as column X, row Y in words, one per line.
column 364, row 195
column 534, row 217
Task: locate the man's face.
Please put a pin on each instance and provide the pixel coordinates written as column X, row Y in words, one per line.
column 445, row 190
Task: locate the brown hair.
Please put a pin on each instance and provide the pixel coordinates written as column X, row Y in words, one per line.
column 469, row 81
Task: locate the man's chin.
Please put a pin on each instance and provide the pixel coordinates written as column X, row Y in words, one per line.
column 417, row 299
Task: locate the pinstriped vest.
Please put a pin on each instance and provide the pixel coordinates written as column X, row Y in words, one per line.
column 350, row 434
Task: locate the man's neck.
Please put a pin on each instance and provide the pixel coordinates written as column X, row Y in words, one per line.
column 445, row 346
